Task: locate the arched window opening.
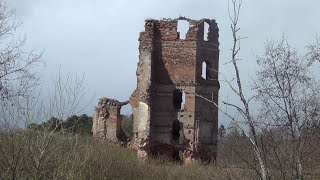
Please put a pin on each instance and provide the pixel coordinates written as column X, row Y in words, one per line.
column 127, row 120
column 206, row 31
column 204, row 70
column 183, row 27
column 126, row 110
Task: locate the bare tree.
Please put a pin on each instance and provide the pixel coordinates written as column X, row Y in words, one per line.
column 245, row 121
column 313, row 53
column 289, row 96
column 31, row 152
column 16, row 65
column 244, row 109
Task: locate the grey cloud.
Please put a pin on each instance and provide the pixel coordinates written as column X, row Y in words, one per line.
column 100, row 37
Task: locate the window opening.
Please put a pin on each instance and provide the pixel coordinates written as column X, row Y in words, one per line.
column 204, row 70
column 183, row 27
column 206, row 31
column 183, row 100
column 127, row 120
column 179, row 99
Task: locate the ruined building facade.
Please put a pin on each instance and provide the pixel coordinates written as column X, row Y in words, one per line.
column 172, row 114
column 176, row 80
column 107, row 120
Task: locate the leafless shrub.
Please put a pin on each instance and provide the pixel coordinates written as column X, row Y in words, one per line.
column 35, row 153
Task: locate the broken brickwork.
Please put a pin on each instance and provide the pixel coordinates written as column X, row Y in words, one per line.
column 171, row 114
column 107, row 120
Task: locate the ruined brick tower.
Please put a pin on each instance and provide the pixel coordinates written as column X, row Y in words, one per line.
column 171, row 113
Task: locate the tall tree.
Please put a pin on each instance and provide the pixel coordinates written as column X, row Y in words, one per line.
column 246, row 122
column 289, row 95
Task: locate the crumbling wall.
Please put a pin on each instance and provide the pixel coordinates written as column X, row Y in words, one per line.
column 107, row 120
column 169, row 109
column 175, row 79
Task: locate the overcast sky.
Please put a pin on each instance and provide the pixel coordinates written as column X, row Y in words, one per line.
column 100, row 37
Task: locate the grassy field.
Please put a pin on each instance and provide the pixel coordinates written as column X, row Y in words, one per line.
column 43, row 155
column 29, row 156
column 100, row 160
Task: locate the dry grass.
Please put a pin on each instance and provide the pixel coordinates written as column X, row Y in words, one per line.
column 76, row 157
column 43, row 155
